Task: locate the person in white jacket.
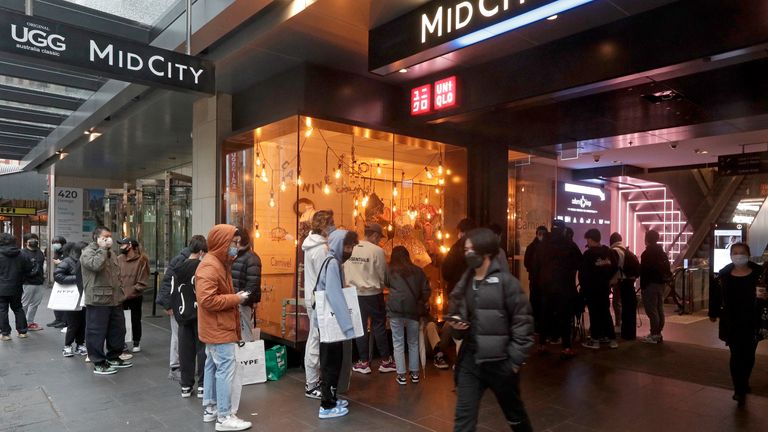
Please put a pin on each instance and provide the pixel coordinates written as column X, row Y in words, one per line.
column 315, row 249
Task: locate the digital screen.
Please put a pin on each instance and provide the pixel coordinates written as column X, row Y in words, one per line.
column 723, row 240
column 582, row 207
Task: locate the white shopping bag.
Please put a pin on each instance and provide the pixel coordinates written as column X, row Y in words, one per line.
column 128, row 326
column 252, row 362
column 326, row 321
column 64, row 298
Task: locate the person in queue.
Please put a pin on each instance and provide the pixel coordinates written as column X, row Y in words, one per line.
column 34, row 283
column 57, row 248
column 66, row 273
column 104, row 319
column 654, row 272
column 491, row 313
column 246, row 275
column 453, row 266
column 330, row 279
column 502, row 256
column 732, row 301
column 218, row 321
column 408, row 303
column 623, row 288
column 134, row 275
column 14, row 268
column 597, row 269
column 532, row 264
column 315, row 248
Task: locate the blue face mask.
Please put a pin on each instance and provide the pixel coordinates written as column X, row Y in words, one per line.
column 232, row 252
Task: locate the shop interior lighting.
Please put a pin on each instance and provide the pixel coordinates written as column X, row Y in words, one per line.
column 394, row 190
column 552, row 18
column 403, row 70
column 263, row 176
column 440, row 168
column 272, row 199
column 337, row 174
column 378, row 169
column 429, row 173
column 538, row 14
column 283, row 187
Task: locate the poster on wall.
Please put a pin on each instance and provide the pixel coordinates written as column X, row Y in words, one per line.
column 93, row 212
column 582, row 207
column 69, row 213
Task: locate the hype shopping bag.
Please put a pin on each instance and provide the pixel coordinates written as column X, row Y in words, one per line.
column 64, row 298
column 326, row 321
column 252, row 362
column 277, row 362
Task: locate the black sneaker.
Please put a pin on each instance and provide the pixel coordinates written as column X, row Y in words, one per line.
column 200, row 392
column 186, row 392
column 120, row 364
column 313, row 393
column 414, row 377
column 401, row 379
column 104, row 369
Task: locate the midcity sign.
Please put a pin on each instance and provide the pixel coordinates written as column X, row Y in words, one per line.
column 96, row 53
column 443, row 26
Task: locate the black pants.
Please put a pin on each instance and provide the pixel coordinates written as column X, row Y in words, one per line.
column 191, row 350
column 373, row 307
column 742, row 362
column 330, row 367
column 600, row 320
column 134, row 305
column 60, row 316
column 474, row 379
column 75, row 328
column 557, row 311
column 104, row 324
column 628, row 309
column 13, row 303
column 535, row 299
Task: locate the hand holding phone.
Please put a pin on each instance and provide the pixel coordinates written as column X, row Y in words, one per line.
column 457, row 322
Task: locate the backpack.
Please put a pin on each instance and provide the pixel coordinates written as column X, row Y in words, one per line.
column 183, row 298
column 631, row 269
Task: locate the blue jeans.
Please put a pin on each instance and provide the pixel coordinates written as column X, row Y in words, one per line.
column 220, row 366
column 411, row 329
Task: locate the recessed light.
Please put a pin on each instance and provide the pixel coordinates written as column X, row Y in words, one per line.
column 403, row 70
column 617, row 161
column 552, row 18
column 700, row 151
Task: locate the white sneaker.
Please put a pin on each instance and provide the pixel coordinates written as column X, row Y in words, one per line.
column 136, row 348
column 87, row 359
column 232, row 423
column 209, row 414
column 126, row 356
column 613, row 344
column 63, row 330
column 67, row 351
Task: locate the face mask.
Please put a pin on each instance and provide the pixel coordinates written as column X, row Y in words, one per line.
column 124, row 251
column 32, row 244
column 104, row 242
column 56, row 247
column 232, row 252
column 540, row 238
column 473, row 260
column 345, row 256
column 739, row 260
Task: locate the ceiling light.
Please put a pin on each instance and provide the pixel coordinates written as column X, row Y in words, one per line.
column 552, row 18
column 701, row 151
column 403, row 70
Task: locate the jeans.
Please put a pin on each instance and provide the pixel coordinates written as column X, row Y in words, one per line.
column 653, row 302
column 173, row 358
column 31, row 299
column 134, row 305
column 191, row 350
column 75, row 328
column 220, row 365
column 312, row 353
column 13, row 303
column 600, row 321
column 104, row 324
column 742, row 362
column 411, row 330
column 472, row 381
column 373, row 307
column 331, row 355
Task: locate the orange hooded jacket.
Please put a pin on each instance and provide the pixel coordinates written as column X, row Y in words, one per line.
column 218, row 314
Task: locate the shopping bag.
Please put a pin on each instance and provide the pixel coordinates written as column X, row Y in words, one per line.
column 64, row 298
column 277, row 362
column 326, row 322
column 128, row 325
column 252, row 362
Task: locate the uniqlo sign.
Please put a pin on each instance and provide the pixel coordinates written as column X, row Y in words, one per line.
column 421, row 100
column 445, row 93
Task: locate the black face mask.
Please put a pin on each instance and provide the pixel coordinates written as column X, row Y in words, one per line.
column 345, row 256
column 124, row 251
column 32, row 244
column 473, row 260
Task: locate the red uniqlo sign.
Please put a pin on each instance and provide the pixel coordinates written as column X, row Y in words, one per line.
column 445, row 93
column 421, row 100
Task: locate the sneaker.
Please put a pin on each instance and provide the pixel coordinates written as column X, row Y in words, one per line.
column 613, row 344
column 593, row 344
column 186, row 392
column 136, row 348
column 401, row 379
column 87, row 358
column 63, row 329
column 567, row 354
column 34, row 327
column 81, row 350
column 126, row 356
column 232, row 423
column 61, row 325
column 209, row 414
column 104, row 369
column 557, row 341
column 53, row 323
column 120, row 364
column 175, row 375
column 342, row 403
column 332, row 412
column 68, row 351
column 440, row 362
column 5, row 338
column 313, row 393
column 604, row 340
column 650, row 339
column 415, row 377
column 388, row 366
column 23, row 335
column 362, row 367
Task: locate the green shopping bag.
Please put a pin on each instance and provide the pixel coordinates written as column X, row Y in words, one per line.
column 277, row 362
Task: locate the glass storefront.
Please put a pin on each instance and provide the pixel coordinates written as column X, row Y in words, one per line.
column 277, row 176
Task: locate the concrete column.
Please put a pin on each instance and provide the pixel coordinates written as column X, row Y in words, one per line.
column 211, row 124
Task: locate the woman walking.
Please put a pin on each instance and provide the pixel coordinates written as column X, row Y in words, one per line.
column 734, row 305
column 66, row 273
column 408, row 301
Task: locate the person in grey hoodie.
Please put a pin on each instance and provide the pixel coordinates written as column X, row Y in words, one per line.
column 315, row 248
column 330, row 279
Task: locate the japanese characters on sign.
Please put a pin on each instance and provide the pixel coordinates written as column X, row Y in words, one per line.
column 421, row 100
column 440, row 95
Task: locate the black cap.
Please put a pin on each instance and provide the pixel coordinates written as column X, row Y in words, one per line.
column 558, row 223
column 128, row 240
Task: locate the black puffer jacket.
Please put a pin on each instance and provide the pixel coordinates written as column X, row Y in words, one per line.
column 164, row 293
column 14, row 268
column 408, row 293
column 36, row 257
column 246, row 275
column 66, row 272
column 654, row 266
column 502, row 321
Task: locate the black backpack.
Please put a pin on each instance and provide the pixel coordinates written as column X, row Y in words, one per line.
column 631, row 269
column 182, row 296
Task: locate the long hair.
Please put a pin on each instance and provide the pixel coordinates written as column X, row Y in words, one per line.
column 400, row 261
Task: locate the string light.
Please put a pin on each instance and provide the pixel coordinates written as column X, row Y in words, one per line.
column 378, row 169
column 429, row 173
column 440, row 211
column 337, row 174
column 264, row 177
column 282, row 186
column 272, row 199
column 389, row 227
column 394, row 191
column 439, row 234
column 441, row 181
column 394, row 208
column 299, row 181
column 440, row 168
column 258, row 159
column 437, row 191
column 443, row 250
column 326, row 189
column 354, row 212
column 429, row 216
column 447, row 235
column 447, row 172
column 439, row 299
column 426, row 200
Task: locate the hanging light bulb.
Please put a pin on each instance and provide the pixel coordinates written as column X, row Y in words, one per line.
column 426, row 200
column 272, row 199
column 308, row 133
column 326, row 189
column 337, row 174
column 282, row 186
column 264, row 177
column 440, row 211
column 439, row 234
column 440, row 168
column 443, row 249
column 354, row 212
column 394, row 191
column 394, row 208
column 447, row 172
column 441, row 181
column 258, row 159
column 439, row 300
column 429, row 216
column 299, row 181
column 357, row 202
column 389, row 227
column 437, row 191
column 378, row 169
column 257, row 233
column 429, row 173
column 447, row 235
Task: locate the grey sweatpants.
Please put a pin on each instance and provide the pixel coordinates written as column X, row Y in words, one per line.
column 653, row 301
column 30, row 300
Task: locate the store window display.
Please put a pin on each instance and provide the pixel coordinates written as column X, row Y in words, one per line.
column 278, row 176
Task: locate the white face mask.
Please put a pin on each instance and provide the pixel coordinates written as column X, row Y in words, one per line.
column 105, row 242
column 739, row 260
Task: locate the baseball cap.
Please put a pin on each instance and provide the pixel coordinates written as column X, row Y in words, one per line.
column 374, row 228
column 128, row 240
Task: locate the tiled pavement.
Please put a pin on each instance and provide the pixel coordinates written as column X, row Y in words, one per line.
column 638, row 387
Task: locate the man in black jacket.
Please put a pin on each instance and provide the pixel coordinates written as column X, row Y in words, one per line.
column 453, row 265
column 13, row 269
column 532, row 264
column 34, row 284
column 654, row 272
column 246, row 276
column 598, row 267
